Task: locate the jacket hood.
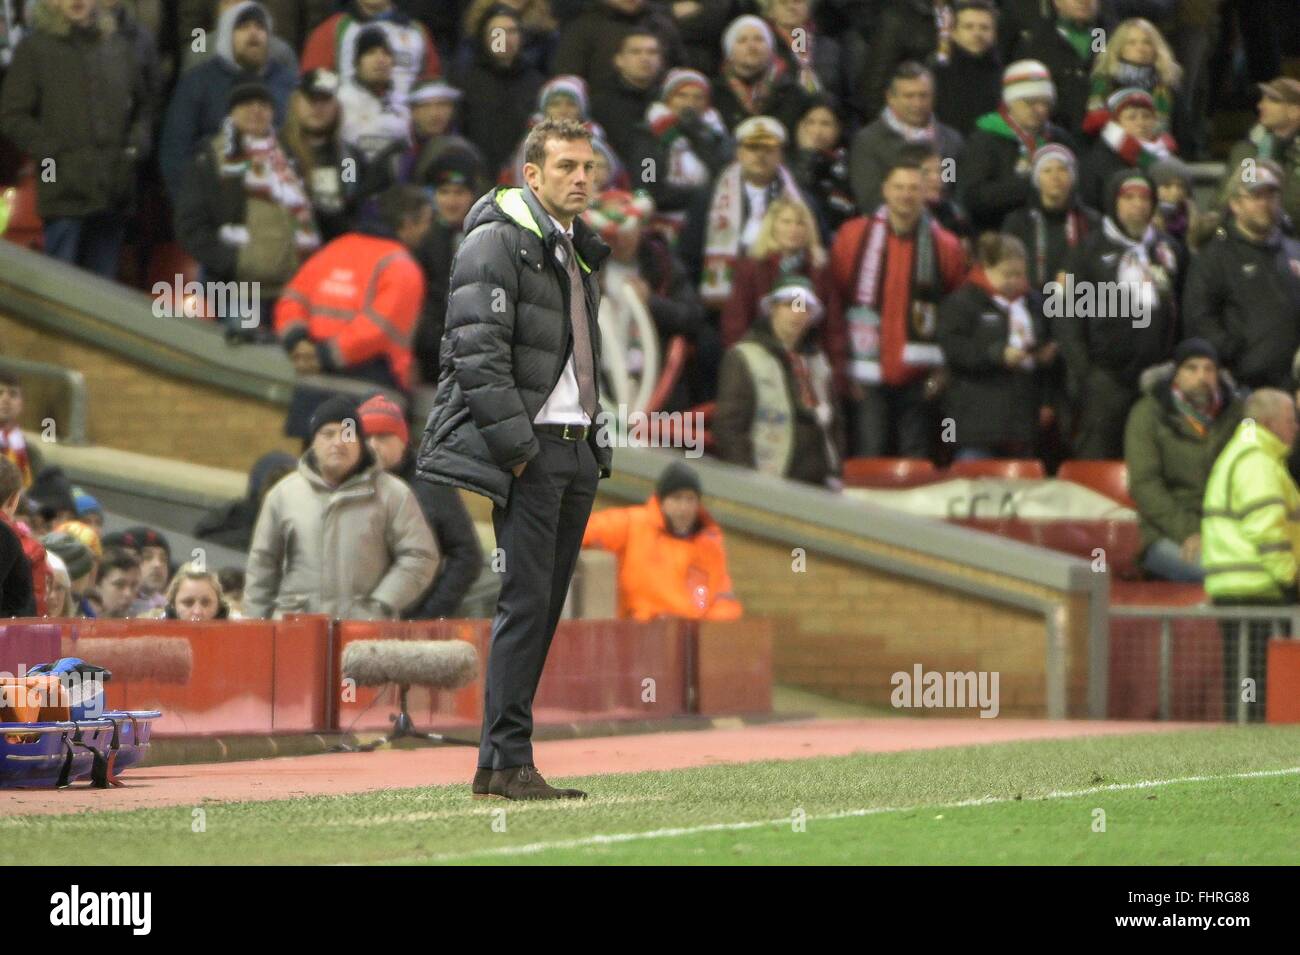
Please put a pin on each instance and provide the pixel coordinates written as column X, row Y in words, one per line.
column 521, row 207
column 365, row 472
column 46, row 19
column 226, row 31
column 266, row 466
column 1117, row 178
column 1157, row 381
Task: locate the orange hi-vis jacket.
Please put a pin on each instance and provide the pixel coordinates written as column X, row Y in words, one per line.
column 660, row 574
column 358, row 298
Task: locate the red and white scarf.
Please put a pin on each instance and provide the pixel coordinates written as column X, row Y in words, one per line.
column 727, row 220
column 1134, row 151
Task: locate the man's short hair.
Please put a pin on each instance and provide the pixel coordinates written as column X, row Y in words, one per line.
column 982, row 6
column 915, row 155
column 907, row 158
column 911, row 70
column 548, row 129
column 401, row 202
column 639, row 31
column 11, row 480
column 117, row 558
column 9, row 379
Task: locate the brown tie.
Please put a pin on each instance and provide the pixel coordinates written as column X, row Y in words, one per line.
column 583, row 362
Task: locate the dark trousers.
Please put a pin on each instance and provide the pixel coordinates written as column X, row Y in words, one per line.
column 893, row 420
column 539, row 532
column 1258, row 633
column 1105, row 408
column 93, row 242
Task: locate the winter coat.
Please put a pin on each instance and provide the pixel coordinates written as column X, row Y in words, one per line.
column 823, row 175
column 588, row 43
column 1071, row 74
column 291, row 21
column 199, row 103
column 1169, row 461
column 786, row 102
column 213, row 196
column 811, row 460
column 456, row 539
column 1261, row 144
column 332, row 44
column 990, row 403
column 659, row 573
column 1020, row 223
column 358, row 299
column 966, row 87
column 1249, row 531
column 495, row 108
column 435, row 255
column 76, row 98
column 621, row 110
column 993, row 176
column 755, row 278
column 231, row 525
column 339, row 551
column 1115, row 343
column 904, row 30
column 874, row 149
column 503, row 354
column 17, row 596
column 1244, row 297
column 675, row 304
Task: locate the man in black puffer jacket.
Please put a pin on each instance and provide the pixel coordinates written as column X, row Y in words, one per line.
column 515, row 419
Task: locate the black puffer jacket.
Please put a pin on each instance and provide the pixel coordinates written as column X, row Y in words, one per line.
column 503, row 353
column 1244, row 296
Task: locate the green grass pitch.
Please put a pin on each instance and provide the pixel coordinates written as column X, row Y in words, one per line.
column 1220, row 796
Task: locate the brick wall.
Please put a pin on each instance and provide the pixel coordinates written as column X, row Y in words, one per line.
column 843, row 629
column 136, row 408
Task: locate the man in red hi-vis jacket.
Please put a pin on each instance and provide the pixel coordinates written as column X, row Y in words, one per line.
column 352, row 307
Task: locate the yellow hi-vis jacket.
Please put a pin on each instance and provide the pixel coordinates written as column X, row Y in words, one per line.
column 1250, row 528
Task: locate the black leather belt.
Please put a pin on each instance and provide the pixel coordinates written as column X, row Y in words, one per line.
column 569, row 432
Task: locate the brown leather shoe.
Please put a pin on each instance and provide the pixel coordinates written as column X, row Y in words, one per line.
column 479, row 788
column 525, row 782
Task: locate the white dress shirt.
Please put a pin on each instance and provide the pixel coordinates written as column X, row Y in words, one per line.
column 564, row 404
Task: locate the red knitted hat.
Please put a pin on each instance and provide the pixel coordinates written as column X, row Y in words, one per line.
column 381, row 416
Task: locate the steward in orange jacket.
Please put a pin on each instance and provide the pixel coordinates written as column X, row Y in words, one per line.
column 357, row 299
column 662, row 573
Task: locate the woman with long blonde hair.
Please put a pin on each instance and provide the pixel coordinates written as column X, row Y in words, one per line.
column 1138, row 56
column 788, row 243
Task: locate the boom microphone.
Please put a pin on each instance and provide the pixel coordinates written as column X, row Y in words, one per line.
column 441, row 664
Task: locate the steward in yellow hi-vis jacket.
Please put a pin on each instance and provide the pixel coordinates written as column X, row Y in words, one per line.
column 1250, row 529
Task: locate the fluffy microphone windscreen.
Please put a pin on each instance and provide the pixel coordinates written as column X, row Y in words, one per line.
column 442, row 664
column 165, row 659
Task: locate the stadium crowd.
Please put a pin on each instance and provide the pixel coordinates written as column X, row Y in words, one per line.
column 920, row 228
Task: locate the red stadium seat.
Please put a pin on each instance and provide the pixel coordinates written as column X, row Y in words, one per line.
column 888, row 472
column 169, row 265
column 1105, row 477
column 1028, row 469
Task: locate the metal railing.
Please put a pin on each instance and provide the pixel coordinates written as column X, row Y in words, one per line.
column 1276, row 617
column 74, row 382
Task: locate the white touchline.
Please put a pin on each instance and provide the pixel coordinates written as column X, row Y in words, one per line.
column 619, row 837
